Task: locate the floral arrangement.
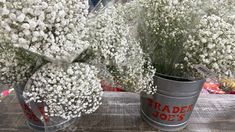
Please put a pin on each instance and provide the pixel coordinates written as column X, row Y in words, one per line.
column 61, row 50
column 53, row 29
column 228, row 85
column 162, row 30
column 213, row 45
column 35, row 32
column 221, row 8
column 67, row 93
column 180, row 34
column 15, row 65
column 114, row 43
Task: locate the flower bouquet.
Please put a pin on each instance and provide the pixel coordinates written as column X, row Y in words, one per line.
column 40, row 41
column 57, row 53
column 115, row 48
column 53, row 29
column 222, row 86
column 186, row 42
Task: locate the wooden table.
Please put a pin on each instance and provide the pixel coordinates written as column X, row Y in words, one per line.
column 120, row 113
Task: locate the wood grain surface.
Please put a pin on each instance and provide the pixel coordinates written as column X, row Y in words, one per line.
column 120, row 113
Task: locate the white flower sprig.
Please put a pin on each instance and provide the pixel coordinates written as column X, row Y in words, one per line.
column 15, row 65
column 113, row 41
column 108, row 36
column 136, row 74
column 52, row 28
column 163, row 28
column 212, row 45
column 222, row 8
column 179, row 34
column 66, row 93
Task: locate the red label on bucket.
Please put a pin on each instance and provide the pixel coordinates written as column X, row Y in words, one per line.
column 169, row 113
column 31, row 116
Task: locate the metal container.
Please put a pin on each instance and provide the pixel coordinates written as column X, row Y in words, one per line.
column 170, row 108
column 35, row 115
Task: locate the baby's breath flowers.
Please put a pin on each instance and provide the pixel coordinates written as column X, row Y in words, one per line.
column 222, row 8
column 15, row 65
column 66, row 93
column 179, row 34
column 52, row 28
column 163, row 28
column 213, row 45
column 112, row 41
column 136, row 73
column 108, row 35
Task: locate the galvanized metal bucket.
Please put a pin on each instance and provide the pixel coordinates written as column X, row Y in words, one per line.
column 170, row 108
column 35, row 115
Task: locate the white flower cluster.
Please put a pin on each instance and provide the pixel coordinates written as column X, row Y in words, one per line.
column 137, row 73
column 212, row 45
column 164, row 27
column 130, row 12
column 108, row 35
column 222, row 8
column 112, row 40
column 52, row 28
column 66, row 93
column 10, row 71
column 179, row 34
column 15, row 66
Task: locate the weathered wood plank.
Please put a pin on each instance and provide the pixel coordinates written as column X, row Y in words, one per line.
column 120, row 112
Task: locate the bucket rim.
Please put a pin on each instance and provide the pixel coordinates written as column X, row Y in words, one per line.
column 177, row 79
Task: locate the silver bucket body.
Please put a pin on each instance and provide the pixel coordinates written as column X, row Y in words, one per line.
column 33, row 112
column 170, row 108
